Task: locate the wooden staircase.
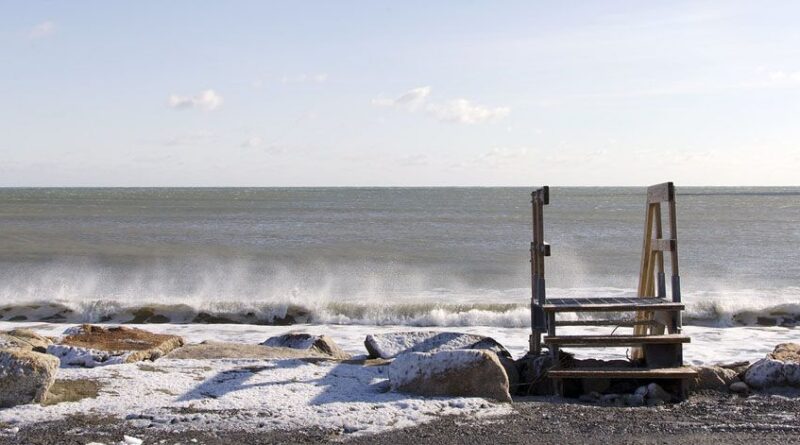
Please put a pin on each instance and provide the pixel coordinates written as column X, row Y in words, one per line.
column 656, row 340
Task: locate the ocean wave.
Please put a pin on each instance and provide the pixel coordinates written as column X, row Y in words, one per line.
column 508, row 315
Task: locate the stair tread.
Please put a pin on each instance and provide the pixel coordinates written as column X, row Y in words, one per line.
column 615, row 340
column 605, row 304
column 629, row 373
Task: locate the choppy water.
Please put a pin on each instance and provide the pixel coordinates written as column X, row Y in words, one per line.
column 422, row 256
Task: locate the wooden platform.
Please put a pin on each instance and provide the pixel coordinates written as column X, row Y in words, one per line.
column 611, row 304
column 589, row 341
column 623, row 373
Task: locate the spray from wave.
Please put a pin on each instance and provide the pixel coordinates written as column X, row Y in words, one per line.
column 239, row 292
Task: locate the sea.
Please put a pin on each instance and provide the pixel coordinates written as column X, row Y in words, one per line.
column 380, row 256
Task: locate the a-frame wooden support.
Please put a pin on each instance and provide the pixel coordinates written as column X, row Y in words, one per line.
column 652, row 276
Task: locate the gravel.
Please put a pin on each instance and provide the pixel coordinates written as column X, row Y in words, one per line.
column 703, row 419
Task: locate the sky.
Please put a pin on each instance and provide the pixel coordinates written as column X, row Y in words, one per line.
column 413, row 93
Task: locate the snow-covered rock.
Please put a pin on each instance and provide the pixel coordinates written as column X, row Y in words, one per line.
column 90, row 346
column 25, row 376
column 24, row 339
column 221, row 350
column 312, row 343
column 461, row 372
column 780, row 368
column 791, row 373
column 765, row 373
column 389, row 345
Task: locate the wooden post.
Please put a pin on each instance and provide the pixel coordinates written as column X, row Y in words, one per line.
column 539, row 249
column 652, row 281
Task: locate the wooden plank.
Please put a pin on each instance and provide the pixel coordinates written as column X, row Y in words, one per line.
column 612, row 307
column 624, row 323
column 663, row 192
column 615, row 340
column 664, row 245
column 623, row 373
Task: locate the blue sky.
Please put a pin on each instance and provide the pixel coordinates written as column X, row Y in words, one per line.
column 191, row 93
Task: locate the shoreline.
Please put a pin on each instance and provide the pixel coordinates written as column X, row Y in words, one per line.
column 704, row 419
column 261, row 394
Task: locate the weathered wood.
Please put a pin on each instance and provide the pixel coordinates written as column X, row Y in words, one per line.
column 621, row 323
column 660, row 193
column 664, row 245
column 624, row 373
column 614, row 340
column 610, row 305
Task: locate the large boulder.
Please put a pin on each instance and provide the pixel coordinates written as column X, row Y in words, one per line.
column 714, row 378
column 24, row 339
column 780, row 368
column 461, row 372
column 787, row 352
column 391, row 345
column 321, row 344
column 765, row 373
column 90, row 345
column 220, row 350
column 25, row 376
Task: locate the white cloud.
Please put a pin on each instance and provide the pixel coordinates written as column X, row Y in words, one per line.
column 465, row 112
column 252, row 142
column 306, row 78
column 410, row 100
column 43, row 29
column 460, row 111
column 206, row 100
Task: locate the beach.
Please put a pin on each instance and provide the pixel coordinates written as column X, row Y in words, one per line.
column 250, row 400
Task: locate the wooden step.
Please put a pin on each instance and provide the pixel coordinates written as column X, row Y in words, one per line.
column 588, row 341
column 621, row 323
column 611, row 304
column 623, row 373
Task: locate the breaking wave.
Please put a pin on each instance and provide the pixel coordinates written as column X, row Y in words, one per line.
column 713, row 312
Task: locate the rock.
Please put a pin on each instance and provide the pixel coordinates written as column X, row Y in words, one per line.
column 609, row 399
column 25, row 376
column 791, row 373
column 713, row 378
column 738, row 367
column 72, row 391
column 765, row 373
column 90, row 345
column 464, row 373
column 739, row 388
column 786, row 352
column 219, row 350
column 24, row 339
column 512, row 373
column 656, row 393
column 533, row 374
column 634, row 399
column 300, row 340
column 393, row 344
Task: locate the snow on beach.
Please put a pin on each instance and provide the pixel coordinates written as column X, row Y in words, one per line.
column 709, row 344
column 293, row 393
